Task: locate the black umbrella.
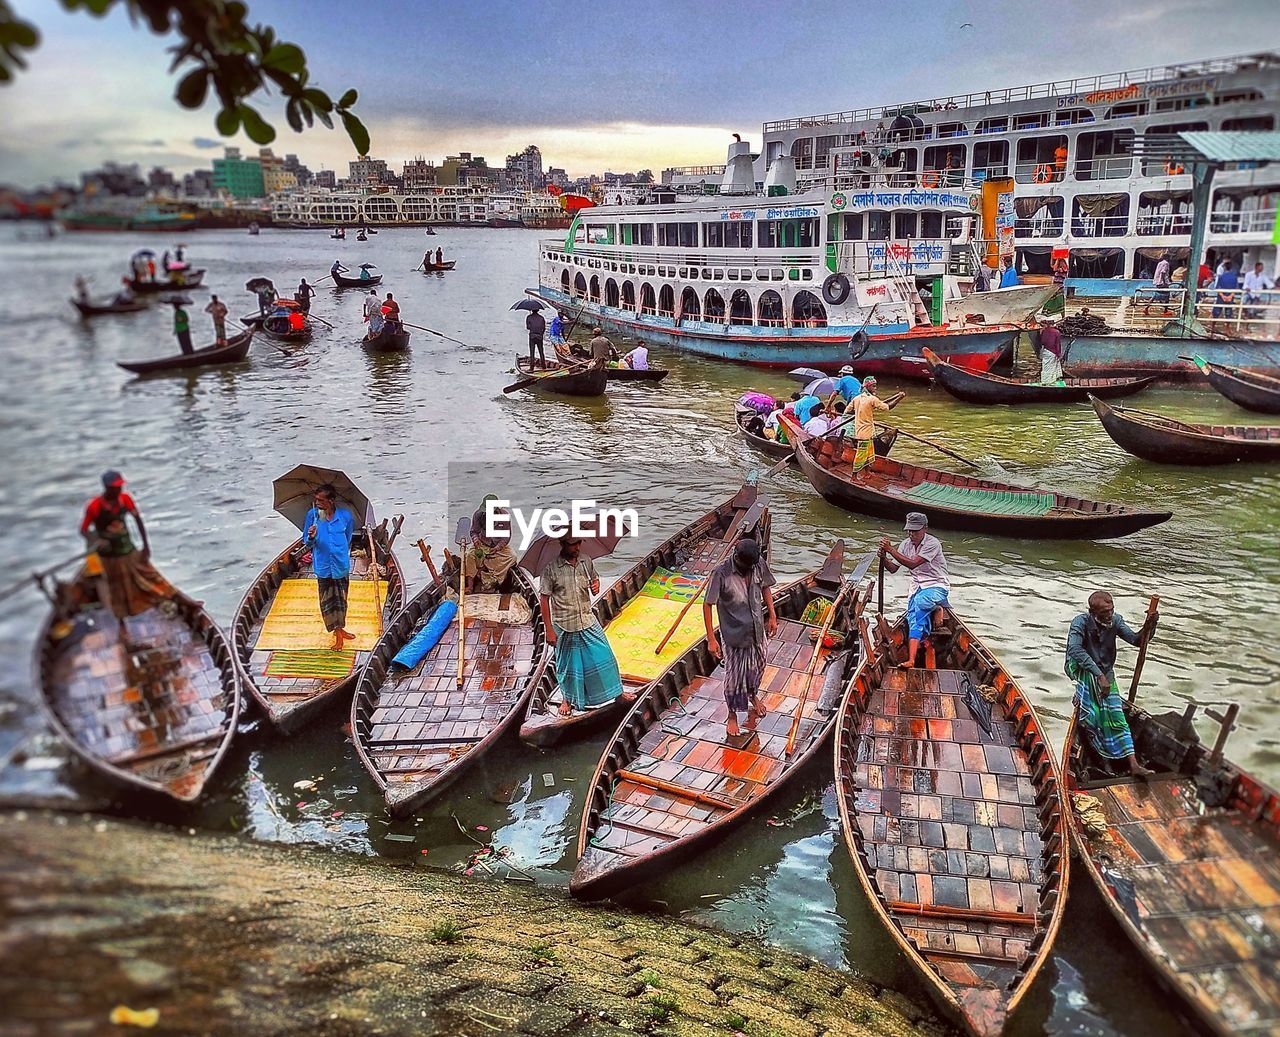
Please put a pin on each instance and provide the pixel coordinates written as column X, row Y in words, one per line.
column 178, row 300
column 368, row 266
column 258, row 284
column 144, row 253
column 295, row 489
column 532, row 305
column 979, row 708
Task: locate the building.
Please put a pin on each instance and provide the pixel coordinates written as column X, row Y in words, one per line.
column 463, row 168
column 367, row 172
column 300, row 172
column 161, row 181
column 275, row 177
column 558, row 176
column 523, row 171
column 418, row 173
column 114, row 178
column 325, row 178
column 198, row 183
column 239, row 177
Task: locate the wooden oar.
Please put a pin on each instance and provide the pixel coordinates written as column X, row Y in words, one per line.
column 524, row 383
column 746, row 519
column 1148, row 631
column 425, row 550
column 441, row 334
column 38, row 577
column 460, row 537
column 941, row 449
column 320, row 319
column 880, row 583
column 373, row 568
column 325, row 278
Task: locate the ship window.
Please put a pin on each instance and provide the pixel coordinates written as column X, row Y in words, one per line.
column 713, row 235
column 944, row 165
column 931, row 225
column 905, row 224
column 648, row 303
column 1043, row 160
column 733, row 274
column 594, row 289
column 797, row 233
column 1128, row 111
column 802, row 152
column 952, row 129
column 991, row 159
column 777, row 273
column 1254, row 122
column 579, row 286
column 1073, row 116
column 1104, row 156
column 878, row 227
column 713, row 305
column 1031, row 121
column 1237, row 96
column 1100, row 215
column 1164, row 212
column 740, row 308
column 611, row 292
column 738, row 234
column 770, row 309
column 667, row 300
column 684, row 273
column 628, row 295
column 1159, row 166
column 1096, row 262
column 690, row 305
column 1000, row 125
column 807, row 311
column 719, row 274
column 852, row 230
column 806, row 274
column 564, row 281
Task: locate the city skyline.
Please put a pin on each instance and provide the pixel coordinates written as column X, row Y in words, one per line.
column 611, row 94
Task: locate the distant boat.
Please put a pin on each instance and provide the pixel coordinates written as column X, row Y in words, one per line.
column 126, row 214
column 253, row 228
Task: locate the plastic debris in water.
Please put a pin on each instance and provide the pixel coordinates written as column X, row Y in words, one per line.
column 399, row 838
column 549, row 780
column 304, row 785
column 424, row 852
column 122, row 1015
column 482, row 828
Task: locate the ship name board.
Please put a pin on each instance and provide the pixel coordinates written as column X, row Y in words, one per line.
column 919, row 257
column 853, row 200
column 794, row 212
column 1171, row 88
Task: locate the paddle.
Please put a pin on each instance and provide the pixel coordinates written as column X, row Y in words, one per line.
column 373, row 571
column 1148, row 631
column 851, row 582
column 746, row 518
column 880, row 583
column 425, row 550
column 325, row 278
column 321, row 320
column 461, row 537
column 432, row 331
column 941, row 449
column 524, row 383
column 38, row 577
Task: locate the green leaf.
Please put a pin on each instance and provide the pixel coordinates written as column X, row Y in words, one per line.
column 286, row 57
column 318, row 99
column 23, row 34
column 291, row 113
column 347, row 99
column 357, row 132
column 257, row 128
column 228, row 121
column 324, row 117
column 193, row 88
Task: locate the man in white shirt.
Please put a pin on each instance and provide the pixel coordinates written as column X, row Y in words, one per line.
column 372, row 304
column 638, row 358
column 921, row 553
column 1255, row 283
column 818, row 424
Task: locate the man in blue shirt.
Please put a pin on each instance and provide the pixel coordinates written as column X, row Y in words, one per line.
column 847, row 386
column 328, row 531
column 803, row 408
column 1008, row 276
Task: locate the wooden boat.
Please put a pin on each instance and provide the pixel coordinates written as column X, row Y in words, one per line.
column 890, row 489
column 1188, row 867
column 387, row 341
column 621, row 373
column 158, row 718
column 277, row 326
column 415, row 730
column 233, row 351
column 289, row 700
column 361, row 236
column 190, row 279
column 565, row 382
column 688, row 556
column 430, row 268
column 1154, row 437
column 984, row 387
column 89, row 309
column 339, row 235
column 356, row 282
column 958, row 837
column 885, row 438
column 1248, row 389
column 612, row 374
column 671, row 781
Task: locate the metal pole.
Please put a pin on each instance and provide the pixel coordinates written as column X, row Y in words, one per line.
column 1201, row 188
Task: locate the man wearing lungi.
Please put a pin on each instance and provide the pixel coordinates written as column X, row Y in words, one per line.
column 586, row 667
column 864, row 407
column 329, row 529
column 921, row 553
column 130, row 583
column 741, row 591
column 1091, row 660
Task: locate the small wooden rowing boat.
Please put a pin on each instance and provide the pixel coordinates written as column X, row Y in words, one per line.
column 612, row 374
column 671, row 781
column 278, row 327
column 433, row 268
column 292, row 686
column 1154, row 437
column 885, row 437
column 653, row 591
column 233, row 351
column 1251, row 390
column 158, row 716
column 584, row 381
column 890, row 489
column 984, row 387
column 190, row 279
column 89, row 309
column 388, row 340
column 619, row 373
column 1189, row 866
column 414, row 729
column 356, row 282
column 958, row 836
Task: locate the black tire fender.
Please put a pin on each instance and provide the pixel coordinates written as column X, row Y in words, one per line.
column 835, row 289
column 858, row 345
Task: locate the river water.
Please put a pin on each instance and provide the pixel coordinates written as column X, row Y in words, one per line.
column 200, row 454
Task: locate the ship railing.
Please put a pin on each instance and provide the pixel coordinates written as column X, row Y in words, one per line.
column 1164, row 223
column 639, row 259
column 1242, row 221
column 1237, row 312
column 1038, row 173
column 1049, row 227
column 1110, row 167
column 859, row 179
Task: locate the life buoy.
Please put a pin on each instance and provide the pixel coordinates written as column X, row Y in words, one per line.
column 835, row 289
column 929, row 179
column 858, row 345
column 1174, row 168
column 1041, row 175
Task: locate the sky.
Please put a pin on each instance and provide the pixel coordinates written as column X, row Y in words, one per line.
column 599, row 85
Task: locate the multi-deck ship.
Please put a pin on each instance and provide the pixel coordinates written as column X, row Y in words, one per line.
column 472, row 205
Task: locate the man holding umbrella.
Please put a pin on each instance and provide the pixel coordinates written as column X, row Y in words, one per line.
column 328, row 530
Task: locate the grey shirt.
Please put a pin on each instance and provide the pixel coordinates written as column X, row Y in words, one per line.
column 601, row 350
column 933, row 573
column 739, row 602
column 1093, row 646
column 568, row 585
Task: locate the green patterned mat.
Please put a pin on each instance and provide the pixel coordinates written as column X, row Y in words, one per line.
column 967, row 498
column 320, row 663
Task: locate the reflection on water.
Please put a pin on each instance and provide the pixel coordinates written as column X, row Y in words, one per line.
column 200, row 453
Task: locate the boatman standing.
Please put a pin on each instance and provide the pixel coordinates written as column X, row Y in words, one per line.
column 182, row 327
column 304, row 295
column 602, row 350
column 536, row 325
column 921, row 553
column 586, row 668
column 741, row 591
column 864, row 407
column 336, row 269
column 1091, row 662
column 1050, row 352
column 328, row 532
column 218, row 311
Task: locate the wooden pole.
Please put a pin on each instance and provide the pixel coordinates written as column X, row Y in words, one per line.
column 880, row 585
column 942, row 449
column 1148, row 631
column 373, row 571
column 461, row 537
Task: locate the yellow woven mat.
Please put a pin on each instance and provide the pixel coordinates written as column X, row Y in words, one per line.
column 294, row 620
column 642, row 623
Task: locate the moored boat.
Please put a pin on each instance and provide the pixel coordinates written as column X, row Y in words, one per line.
column 890, row 489
column 188, row 279
column 291, row 684
column 612, row 374
column 1247, row 389
column 671, row 782
column 415, row 729
column 430, row 268
column 985, row 387
column 957, row 835
column 585, row 381
column 1186, row 863
column 388, row 340
column 233, row 351
column 89, row 309
column 617, row 372
column 1165, row 440
column 653, row 593
column 157, row 716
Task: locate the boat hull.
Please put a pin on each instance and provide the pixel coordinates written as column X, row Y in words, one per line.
column 1258, row 393
column 1001, row 305
column 234, row 351
column 1186, row 445
column 384, row 343
column 356, row 282
column 985, row 388
column 88, row 309
column 891, row 350
column 576, row 383
column 193, row 279
column 1133, row 356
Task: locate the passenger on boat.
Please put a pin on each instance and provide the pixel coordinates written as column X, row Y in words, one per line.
column 328, row 532
column 586, row 668
column 82, row 289
column 602, row 350
column 804, row 406
column 372, row 304
column 182, row 327
column 982, row 279
column 921, row 553
column 128, row 584
column 536, row 325
column 847, row 386
column 1008, row 275
column 125, row 294
column 439, row 257
column 391, row 308
column 638, row 358
column 297, row 320
column 773, row 425
column 741, row 591
column 218, row 311
column 376, row 319
column 489, row 562
column 556, row 330
column 863, row 408
column 266, row 298
column 304, row 295
column 1090, row 662
column 364, row 273
column 818, row 424
column 1050, row 352
column 151, row 270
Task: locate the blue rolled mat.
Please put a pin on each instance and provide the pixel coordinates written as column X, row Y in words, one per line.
column 425, row 639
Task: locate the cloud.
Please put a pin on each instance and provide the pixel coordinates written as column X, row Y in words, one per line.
column 206, row 142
